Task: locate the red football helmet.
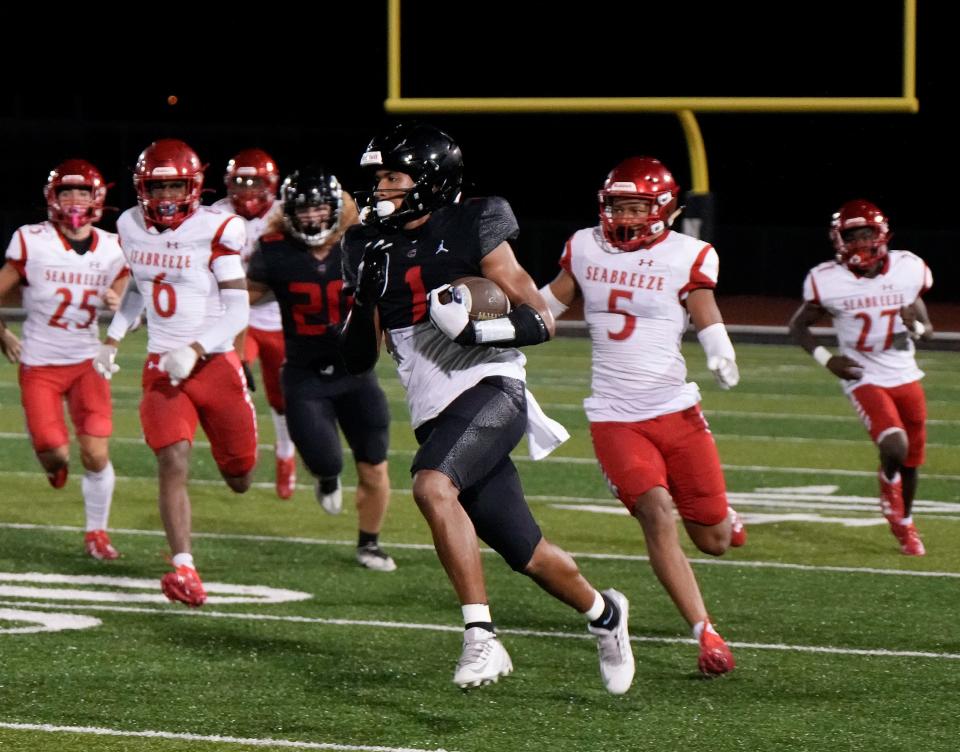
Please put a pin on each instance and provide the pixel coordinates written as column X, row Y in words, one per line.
column 251, row 179
column 75, row 173
column 859, row 254
column 168, row 160
column 644, row 178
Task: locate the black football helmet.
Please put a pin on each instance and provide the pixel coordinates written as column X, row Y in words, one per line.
column 429, row 156
column 311, row 187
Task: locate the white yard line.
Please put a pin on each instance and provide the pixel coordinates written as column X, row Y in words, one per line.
column 521, row 456
column 247, row 742
column 457, row 629
column 429, row 547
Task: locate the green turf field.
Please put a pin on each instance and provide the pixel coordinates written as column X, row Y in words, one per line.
column 841, row 642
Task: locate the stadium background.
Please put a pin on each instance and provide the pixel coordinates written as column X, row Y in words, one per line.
column 314, row 91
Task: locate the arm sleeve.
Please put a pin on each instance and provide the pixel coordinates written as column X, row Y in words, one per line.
column 131, row 306
column 228, row 267
column 236, row 312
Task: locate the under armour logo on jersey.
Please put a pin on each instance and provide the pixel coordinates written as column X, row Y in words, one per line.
column 888, row 287
column 152, row 365
column 648, row 262
column 173, row 244
column 326, row 371
column 441, row 249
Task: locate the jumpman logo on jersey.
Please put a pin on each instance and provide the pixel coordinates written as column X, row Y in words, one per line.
column 441, row 249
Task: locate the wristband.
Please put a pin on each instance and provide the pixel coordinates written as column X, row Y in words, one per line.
column 822, row 355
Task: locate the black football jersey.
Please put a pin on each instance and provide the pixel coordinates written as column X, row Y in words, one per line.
column 313, row 305
column 449, row 245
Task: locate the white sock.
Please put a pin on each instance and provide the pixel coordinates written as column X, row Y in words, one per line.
column 894, row 480
column 283, row 446
column 473, row 612
column 183, row 560
column 700, row 626
column 596, row 610
column 907, row 520
column 97, row 491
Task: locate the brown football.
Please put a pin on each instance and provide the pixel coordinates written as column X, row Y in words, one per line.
column 483, row 298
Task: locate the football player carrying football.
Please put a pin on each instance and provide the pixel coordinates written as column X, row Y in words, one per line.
column 641, row 284
column 873, row 296
column 465, row 384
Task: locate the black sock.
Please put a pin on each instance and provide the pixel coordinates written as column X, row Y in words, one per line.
column 365, row 538
column 610, row 617
column 328, row 485
column 487, row 625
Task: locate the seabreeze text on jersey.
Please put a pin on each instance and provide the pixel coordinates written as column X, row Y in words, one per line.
column 159, row 260
column 873, row 301
column 76, row 278
column 624, row 278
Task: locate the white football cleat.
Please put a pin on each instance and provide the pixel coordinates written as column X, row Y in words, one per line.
column 483, row 660
column 616, row 654
column 331, row 501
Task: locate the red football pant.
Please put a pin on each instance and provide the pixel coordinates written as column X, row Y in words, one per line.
column 882, row 408
column 214, row 394
column 42, row 389
column 268, row 347
column 676, row 451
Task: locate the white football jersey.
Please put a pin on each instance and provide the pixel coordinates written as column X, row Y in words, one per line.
column 633, row 306
column 435, row 370
column 63, row 292
column 178, row 272
column 866, row 315
column 264, row 316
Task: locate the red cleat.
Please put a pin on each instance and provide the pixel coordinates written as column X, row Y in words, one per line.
column 184, row 585
column 891, row 500
column 58, row 478
column 910, row 543
column 715, row 657
column 98, row 545
column 738, row 533
column 286, row 477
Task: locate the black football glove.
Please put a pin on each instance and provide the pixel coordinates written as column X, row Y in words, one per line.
column 373, row 273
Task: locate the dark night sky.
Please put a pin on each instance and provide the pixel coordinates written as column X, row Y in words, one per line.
column 309, row 86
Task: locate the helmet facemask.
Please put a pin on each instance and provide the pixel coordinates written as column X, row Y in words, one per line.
column 637, row 179
column 251, row 197
column 168, row 202
column 312, row 206
column 76, row 211
column 251, row 179
column 860, row 235
column 168, row 161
